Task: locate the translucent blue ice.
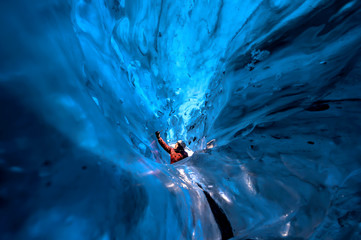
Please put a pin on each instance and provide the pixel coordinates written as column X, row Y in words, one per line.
column 84, row 84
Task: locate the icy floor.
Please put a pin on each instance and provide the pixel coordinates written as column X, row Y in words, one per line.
column 85, row 84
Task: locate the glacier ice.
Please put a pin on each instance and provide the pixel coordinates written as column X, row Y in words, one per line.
column 274, row 85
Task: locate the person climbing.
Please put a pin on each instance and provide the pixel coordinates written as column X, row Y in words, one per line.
column 177, row 153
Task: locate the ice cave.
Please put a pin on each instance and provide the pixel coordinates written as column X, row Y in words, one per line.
column 265, row 93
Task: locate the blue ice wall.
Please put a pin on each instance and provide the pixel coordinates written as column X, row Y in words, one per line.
column 85, row 84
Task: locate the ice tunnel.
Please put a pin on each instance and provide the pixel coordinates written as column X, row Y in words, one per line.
column 273, row 87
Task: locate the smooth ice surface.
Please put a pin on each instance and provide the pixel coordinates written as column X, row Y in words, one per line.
column 84, row 84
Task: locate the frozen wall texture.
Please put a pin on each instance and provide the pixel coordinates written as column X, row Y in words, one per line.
column 84, row 84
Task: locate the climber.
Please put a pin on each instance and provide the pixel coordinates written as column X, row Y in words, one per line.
column 177, row 153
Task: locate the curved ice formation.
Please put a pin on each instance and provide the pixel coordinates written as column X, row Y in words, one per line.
column 84, row 84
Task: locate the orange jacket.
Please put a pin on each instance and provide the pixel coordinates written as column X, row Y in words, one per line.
column 174, row 156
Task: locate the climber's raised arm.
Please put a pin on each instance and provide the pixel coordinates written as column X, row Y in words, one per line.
column 162, row 142
column 177, row 153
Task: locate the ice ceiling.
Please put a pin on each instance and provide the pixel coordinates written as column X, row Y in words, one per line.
column 85, row 84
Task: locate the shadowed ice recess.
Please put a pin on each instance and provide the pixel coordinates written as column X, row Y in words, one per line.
column 84, row 84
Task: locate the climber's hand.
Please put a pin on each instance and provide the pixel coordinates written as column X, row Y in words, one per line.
column 157, row 134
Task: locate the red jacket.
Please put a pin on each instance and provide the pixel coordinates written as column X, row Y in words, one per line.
column 174, row 156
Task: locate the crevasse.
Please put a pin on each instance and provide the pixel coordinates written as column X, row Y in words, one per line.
column 85, row 84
